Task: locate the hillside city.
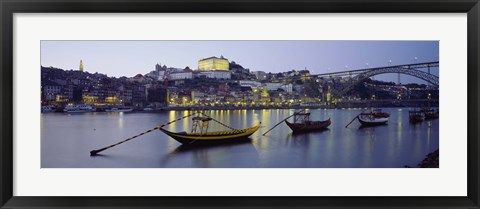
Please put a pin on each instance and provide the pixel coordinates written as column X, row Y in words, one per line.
column 220, row 83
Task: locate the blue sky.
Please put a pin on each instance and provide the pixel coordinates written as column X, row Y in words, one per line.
column 128, row 58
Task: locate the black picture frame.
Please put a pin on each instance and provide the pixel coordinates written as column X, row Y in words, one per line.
column 9, row 7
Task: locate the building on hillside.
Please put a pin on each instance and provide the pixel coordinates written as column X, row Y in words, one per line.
column 251, row 84
column 274, row 86
column 260, row 75
column 213, row 63
column 288, row 88
column 180, row 76
column 51, row 90
column 197, row 96
column 216, row 74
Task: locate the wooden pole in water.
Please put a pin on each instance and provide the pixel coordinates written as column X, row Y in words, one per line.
column 351, row 121
column 282, row 121
column 95, row 152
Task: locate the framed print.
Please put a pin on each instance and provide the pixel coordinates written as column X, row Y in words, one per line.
column 237, row 104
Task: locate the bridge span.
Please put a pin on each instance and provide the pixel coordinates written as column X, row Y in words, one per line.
column 407, row 69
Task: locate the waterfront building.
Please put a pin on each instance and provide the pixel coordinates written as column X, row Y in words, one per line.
column 197, row 96
column 211, row 97
column 51, row 90
column 213, row 63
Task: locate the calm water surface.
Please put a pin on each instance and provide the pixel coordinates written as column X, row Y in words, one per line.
column 67, row 140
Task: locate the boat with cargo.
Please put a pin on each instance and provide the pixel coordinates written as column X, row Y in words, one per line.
column 416, row 116
column 373, row 118
column 200, row 135
column 302, row 123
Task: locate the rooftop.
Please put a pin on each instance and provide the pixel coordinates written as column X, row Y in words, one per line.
column 214, row 57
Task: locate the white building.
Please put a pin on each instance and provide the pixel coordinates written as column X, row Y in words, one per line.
column 216, row 74
column 251, row 84
column 180, row 76
column 288, row 88
column 161, row 75
column 274, row 86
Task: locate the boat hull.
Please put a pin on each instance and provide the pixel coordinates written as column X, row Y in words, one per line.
column 210, row 138
column 78, row 111
column 416, row 118
column 129, row 110
column 314, row 126
column 431, row 115
column 372, row 122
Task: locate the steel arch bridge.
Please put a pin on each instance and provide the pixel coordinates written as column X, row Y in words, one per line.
column 432, row 79
column 408, row 69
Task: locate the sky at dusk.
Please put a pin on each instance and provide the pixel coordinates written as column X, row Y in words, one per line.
column 128, row 58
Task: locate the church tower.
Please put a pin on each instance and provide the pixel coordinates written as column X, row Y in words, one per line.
column 81, row 66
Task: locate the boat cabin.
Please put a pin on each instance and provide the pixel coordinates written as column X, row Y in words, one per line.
column 200, row 124
column 301, row 117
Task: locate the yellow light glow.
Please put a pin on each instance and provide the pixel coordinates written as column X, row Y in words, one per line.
column 213, row 63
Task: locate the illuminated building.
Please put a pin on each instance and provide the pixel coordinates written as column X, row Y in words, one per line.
column 213, row 63
column 81, row 66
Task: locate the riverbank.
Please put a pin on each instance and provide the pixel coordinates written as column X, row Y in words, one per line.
column 431, row 161
column 310, row 106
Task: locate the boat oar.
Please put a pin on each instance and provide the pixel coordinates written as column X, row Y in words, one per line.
column 95, row 152
column 281, row 122
column 351, row 121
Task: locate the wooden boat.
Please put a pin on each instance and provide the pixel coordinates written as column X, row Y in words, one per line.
column 200, row 135
column 302, row 123
column 416, row 116
column 379, row 114
column 373, row 118
column 430, row 113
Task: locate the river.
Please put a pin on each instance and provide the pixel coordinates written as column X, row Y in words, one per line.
column 67, row 139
